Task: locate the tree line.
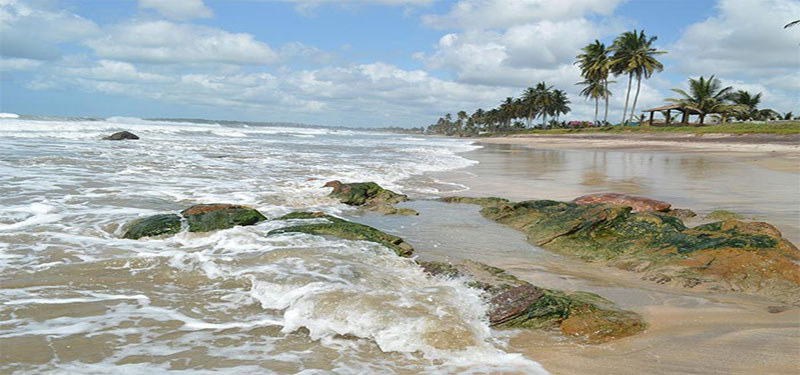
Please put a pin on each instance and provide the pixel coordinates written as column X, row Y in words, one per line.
column 541, row 101
column 631, row 54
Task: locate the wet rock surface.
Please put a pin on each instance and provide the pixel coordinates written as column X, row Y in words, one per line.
column 731, row 255
column 370, row 196
column 121, row 136
column 216, row 216
column 334, row 226
column 638, row 204
column 515, row 303
column 152, row 226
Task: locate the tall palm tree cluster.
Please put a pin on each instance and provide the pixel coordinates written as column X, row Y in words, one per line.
column 541, row 101
column 707, row 96
column 631, row 54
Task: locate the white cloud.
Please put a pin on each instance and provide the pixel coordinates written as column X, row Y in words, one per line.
column 166, row 42
column 10, row 64
column 31, row 33
column 746, row 45
column 178, row 9
column 482, row 14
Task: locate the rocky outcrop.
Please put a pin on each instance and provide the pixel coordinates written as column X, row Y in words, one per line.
column 334, row 226
column 216, row 216
column 722, row 256
column 200, row 218
column 638, row 204
column 514, row 303
column 152, row 226
column 121, row 136
column 369, row 195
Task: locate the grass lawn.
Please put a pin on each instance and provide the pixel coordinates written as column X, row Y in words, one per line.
column 730, row 128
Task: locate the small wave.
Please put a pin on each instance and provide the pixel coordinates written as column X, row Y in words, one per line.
column 8, row 115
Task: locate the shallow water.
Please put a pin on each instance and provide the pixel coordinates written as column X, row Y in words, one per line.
column 696, row 181
column 76, row 298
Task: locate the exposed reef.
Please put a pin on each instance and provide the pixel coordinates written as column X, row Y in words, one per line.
column 370, row 196
column 515, row 303
column 730, row 255
column 334, row 226
column 199, row 218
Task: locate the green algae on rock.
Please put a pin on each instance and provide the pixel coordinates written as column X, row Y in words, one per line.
column 334, row 226
column 724, row 215
column 515, row 303
column 215, row 216
column 151, row 226
column 370, row 196
column 729, row 255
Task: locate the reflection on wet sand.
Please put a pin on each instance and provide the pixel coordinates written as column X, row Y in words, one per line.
column 697, row 181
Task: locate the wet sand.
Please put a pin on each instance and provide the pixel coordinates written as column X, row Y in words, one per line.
column 690, row 331
column 772, row 151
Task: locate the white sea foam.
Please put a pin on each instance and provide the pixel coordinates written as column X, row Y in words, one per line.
column 229, row 298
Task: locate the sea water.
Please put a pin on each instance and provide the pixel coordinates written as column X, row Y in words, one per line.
column 76, row 298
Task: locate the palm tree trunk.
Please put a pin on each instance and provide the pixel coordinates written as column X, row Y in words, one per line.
column 627, row 97
column 596, row 108
column 605, row 117
column 636, row 97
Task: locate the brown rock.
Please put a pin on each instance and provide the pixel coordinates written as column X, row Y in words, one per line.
column 639, row 204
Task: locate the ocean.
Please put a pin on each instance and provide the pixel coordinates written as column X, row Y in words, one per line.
column 76, row 298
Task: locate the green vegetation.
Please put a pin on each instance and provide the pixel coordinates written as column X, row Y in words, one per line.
column 792, row 127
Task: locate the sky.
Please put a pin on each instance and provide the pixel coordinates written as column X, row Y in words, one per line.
column 369, row 63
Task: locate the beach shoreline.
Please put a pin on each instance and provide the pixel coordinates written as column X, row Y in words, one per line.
column 779, row 152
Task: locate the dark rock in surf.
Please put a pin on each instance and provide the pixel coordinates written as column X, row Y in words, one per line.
column 215, row 216
column 121, row 136
column 515, row 303
column 152, row 226
column 369, row 195
column 730, row 255
column 334, row 226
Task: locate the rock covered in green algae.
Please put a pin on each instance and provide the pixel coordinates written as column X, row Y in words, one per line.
column 723, row 215
column 729, row 255
column 151, row 226
column 370, row 196
column 341, row 228
column 515, row 303
column 215, row 216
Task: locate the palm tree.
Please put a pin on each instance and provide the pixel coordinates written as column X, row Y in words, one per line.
column 634, row 55
column 594, row 67
column 543, row 99
column 706, row 96
column 529, row 104
column 460, row 123
column 749, row 104
column 507, row 111
column 595, row 90
column 560, row 104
